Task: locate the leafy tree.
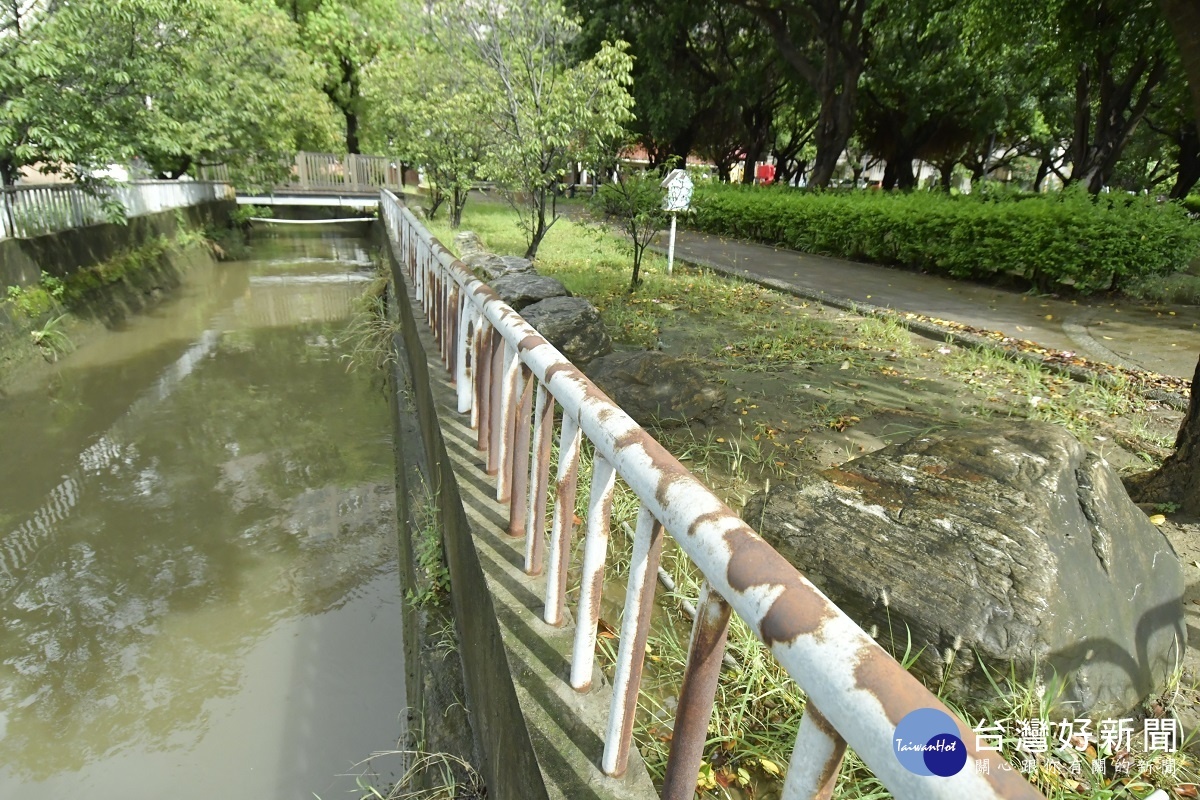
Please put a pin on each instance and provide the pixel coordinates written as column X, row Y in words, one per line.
column 344, row 38
column 826, row 42
column 176, row 82
column 435, row 117
column 635, row 205
column 1177, row 481
column 924, row 94
column 548, row 110
column 65, row 97
column 242, row 89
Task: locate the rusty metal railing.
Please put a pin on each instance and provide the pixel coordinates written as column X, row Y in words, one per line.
column 510, row 380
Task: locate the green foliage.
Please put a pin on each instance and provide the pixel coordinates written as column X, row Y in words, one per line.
column 242, row 216
column 548, row 110
column 635, row 206
column 345, row 39
column 177, row 82
column 1072, row 239
column 52, row 339
column 430, row 559
column 435, row 117
column 33, row 302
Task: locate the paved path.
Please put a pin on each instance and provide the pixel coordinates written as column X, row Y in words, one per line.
column 1163, row 339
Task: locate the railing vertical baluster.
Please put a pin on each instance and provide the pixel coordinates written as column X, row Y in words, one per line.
column 431, row 306
column 446, row 321
column 518, row 506
column 696, row 695
column 539, row 480
column 816, row 758
column 466, row 363
column 483, row 388
column 595, row 554
column 506, row 421
column 496, row 374
column 564, row 520
column 635, row 629
column 454, row 318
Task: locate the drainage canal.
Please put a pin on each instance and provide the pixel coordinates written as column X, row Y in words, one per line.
column 198, row 586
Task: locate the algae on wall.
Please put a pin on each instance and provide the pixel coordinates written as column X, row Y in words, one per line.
column 70, row 282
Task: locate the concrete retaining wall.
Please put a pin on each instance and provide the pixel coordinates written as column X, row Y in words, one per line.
column 23, row 260
column 504, row 751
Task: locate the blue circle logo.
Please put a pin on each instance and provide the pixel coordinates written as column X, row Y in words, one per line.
column 926, row 743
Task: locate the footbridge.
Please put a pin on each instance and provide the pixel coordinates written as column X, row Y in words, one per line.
column 491, row 398
column 327, row 180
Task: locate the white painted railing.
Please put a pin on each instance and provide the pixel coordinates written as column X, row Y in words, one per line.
column 316, row 172
column 511, row 381
column 27, row 211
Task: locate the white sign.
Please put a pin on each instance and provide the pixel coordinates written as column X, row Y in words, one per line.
column 679, row 191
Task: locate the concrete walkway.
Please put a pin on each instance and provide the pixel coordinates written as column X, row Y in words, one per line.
column 1162, row 339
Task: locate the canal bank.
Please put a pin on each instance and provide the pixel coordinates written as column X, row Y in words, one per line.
column 198, row 543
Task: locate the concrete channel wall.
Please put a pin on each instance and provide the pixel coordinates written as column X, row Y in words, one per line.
column 60, row 254
column 535, row 737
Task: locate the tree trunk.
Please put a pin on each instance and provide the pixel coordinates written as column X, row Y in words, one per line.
column 351, row 131
column 1177, row 481
column 540, row 227
column 1189, row 162
column 1042, row 172
column 834, row 126
column 1108, row 108
column 946, row 175
column 906, row 178
column 838, row 33
column 1183, row 17
column 898, row 173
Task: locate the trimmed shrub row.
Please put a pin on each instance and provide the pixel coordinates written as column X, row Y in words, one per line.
column 1069, row 238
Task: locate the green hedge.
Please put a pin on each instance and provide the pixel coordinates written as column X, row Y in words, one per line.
column 1071, row 238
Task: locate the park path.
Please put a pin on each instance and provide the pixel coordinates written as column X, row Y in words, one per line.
column 1158, row 338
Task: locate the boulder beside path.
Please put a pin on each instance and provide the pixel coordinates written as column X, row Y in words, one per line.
column 1003, row 549
column 656, row 388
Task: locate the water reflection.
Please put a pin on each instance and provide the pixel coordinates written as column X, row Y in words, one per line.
column 244, row 488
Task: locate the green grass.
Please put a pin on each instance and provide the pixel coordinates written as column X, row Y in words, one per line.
column 758, row 708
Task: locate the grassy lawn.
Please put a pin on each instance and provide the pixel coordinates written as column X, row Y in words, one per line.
column 810, row 387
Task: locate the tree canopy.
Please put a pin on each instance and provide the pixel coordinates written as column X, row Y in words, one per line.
column 174, row 82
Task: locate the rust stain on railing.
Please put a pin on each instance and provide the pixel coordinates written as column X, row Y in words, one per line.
column 497, row 361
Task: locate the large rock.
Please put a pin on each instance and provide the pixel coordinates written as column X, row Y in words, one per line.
column 467, row 243
column 1009, row 545
column 491, row 267
column 571, row 324
column 523, row 289
column 654, row 387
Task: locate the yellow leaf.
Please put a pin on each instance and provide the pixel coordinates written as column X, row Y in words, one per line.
column 769, row 767
column 1157, row 519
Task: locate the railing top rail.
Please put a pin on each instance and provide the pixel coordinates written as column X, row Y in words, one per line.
column 66, row 187
column 859, row 688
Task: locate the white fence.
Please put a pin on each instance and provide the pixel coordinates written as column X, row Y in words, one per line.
column 314, row 172
column 27, row 211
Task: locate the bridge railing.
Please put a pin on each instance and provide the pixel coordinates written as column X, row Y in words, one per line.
column 27, row 211
column 316, row 172
column 511, row 380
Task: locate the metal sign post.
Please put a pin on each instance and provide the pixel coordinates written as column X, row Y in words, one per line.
column 679, row 197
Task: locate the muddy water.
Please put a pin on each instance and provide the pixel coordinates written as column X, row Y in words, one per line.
column 198, row 592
